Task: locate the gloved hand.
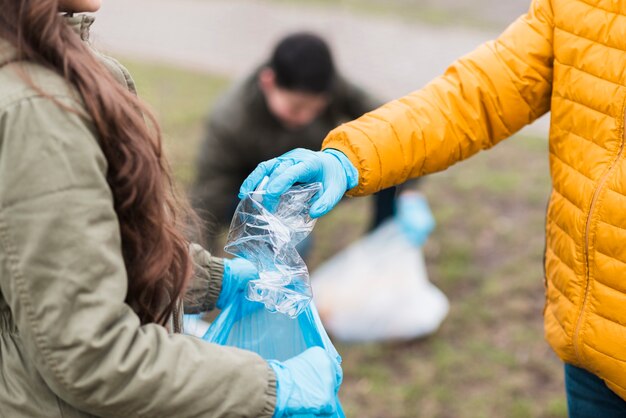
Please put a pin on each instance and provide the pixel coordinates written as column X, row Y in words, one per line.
column 330, row 167
column 415, row 218
column 237, row 273
column 307, row 384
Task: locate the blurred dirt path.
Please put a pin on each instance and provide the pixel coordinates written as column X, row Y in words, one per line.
column 230, row 37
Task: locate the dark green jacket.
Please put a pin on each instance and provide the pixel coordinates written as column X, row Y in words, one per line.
column 241, row 132
column 69, row 345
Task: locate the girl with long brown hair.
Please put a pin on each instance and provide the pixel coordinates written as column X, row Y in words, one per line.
column 95, row 268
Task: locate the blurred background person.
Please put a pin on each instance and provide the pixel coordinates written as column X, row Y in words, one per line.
column 291, row 101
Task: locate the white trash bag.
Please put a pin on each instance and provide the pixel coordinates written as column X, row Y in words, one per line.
column 378, row 289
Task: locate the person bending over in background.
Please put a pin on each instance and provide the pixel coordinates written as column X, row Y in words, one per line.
column 292, row 101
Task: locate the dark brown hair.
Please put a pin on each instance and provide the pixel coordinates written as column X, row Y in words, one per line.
column 303, row 62
column 151, row 216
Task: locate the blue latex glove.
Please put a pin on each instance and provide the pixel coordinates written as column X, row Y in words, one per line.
column 415, row 218
column 330, row 167
column 307, row 384
column 237, row 273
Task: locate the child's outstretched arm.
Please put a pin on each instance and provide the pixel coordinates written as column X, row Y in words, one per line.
column 481, row 99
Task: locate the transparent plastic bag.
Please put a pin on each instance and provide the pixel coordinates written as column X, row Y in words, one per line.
column 277, row 318
column 265, row 232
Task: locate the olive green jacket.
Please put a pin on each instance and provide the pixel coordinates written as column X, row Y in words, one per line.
column 69, row 345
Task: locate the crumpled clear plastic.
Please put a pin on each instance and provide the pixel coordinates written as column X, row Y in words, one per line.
column 277, row 319
column 265, row 231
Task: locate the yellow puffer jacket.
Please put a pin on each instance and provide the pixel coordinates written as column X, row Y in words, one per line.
column 567, row 56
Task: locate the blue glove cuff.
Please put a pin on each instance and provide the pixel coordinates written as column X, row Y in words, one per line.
column 227, row 285
column 282, row 375
column 352, row 174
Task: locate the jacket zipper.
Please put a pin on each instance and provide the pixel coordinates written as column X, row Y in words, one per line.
column 596, row 193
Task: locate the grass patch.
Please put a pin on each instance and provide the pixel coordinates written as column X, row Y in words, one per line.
column 489, row 359
column 181, row 99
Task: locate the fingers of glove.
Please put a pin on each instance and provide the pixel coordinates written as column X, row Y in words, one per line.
column 244, row 269
column 338, row 374
column 314, row 376
column 337, row 370
column 298, row 173
column 254, row 179
column 326, row 410
column 318, row 398
column 327, row 200
column 279, row 170
column 327, row 367
column 315, row 355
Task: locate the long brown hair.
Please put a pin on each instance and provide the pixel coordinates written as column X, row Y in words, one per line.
column 150, row 214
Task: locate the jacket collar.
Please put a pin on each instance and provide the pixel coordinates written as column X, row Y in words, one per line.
column 80, row 24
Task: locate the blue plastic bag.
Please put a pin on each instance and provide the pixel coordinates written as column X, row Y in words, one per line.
column 276, row 317
column 274, row 336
